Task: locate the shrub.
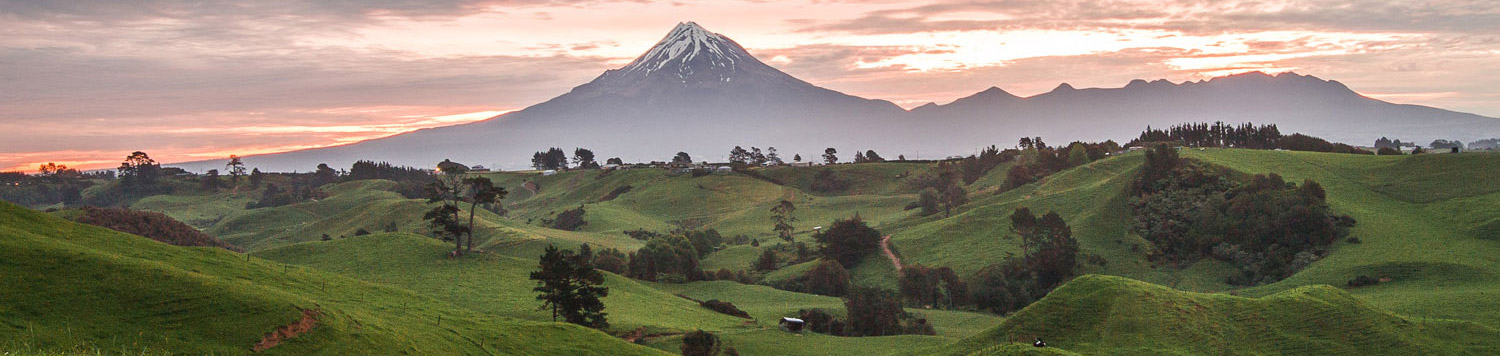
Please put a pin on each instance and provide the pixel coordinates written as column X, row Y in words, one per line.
column 848, row 241
column 570, row 219
column 725, row 308
column 361, row 232
column 1362, row 281
column 616, row 192
column 155, row 226
column 700, row 343
column 826, row 181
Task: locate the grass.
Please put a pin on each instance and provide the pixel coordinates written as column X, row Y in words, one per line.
column 77, row 288
column 491, row 284
column 1097, row 314
column 1427, row 222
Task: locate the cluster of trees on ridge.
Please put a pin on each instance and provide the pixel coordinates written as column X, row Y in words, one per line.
column 1263, row 225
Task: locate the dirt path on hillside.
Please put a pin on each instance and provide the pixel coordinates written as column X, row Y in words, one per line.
column 885, row 247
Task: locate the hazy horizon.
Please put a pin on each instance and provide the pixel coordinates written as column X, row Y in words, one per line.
column 95, row 81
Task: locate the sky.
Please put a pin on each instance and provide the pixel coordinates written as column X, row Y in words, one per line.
column 84, row 83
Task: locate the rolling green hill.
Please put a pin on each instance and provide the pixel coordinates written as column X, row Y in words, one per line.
column 1428, row 223
column 1096, row 314
column 73, row 288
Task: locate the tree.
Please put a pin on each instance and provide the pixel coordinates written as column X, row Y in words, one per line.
column 830, row 156
column 739, row 155
column 615, row 161
column 324, row 175
column 773, row 157
column 700, row 343
column 481, row 191
column 211, row 180
column 570, row 287
column 584, row 158
column 796, row 157
column 1026, row 142
column 767, row 260
column 1078, row 155
column 443, row 219
column 138, row 171
column 871, row 156
column 928, row 201
column 873, row 312
column 236, row 169
column 828, row 278
column 859, row 157
column 553, row 159
column 848, row 241
column 781, row 216
column 953, row 196
column 682, row 158
column 256, row 177
column 756, row 157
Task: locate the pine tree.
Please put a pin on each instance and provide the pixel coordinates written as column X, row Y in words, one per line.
column 570, row 287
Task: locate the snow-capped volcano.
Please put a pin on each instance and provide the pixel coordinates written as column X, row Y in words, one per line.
column 691, row 53
column 699, row 92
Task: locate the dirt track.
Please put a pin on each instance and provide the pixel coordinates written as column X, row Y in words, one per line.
column 885, row 247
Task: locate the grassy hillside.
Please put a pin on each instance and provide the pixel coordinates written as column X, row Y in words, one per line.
column 1426, row 222
column 77, row 288
column 1423, row 223
column 1097, row 314
column 486, row 283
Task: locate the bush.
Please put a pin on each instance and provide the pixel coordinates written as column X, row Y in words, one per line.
column 615, row 193
column 821, row 321
column 826, row 181
column 873, row 312
column 1362, row 281
column 848, row 241
column 361, row 232
column 155, row 226
column 570, row 219
column 827, row 278
column 723, row 307
column 700, row 343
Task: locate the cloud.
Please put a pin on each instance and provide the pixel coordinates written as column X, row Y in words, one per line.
column 1188, row 16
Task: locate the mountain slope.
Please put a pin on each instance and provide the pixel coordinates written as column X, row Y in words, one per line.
column 685, row 94
column 1295, row 103
column 702, row 93
column 77, row 288
column 1096, row 314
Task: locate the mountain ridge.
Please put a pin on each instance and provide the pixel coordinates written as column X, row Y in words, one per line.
column 694, row 88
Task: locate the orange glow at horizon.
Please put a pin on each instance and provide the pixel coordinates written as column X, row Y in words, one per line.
column 342, row 135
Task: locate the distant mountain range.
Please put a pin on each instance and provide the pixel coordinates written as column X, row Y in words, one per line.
column 702, row 93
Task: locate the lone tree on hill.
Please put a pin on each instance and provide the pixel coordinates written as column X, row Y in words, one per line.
column 781, row 215
column 480, row 191
column 830, row 156
column 236, row 169
column 847, row 241
column 444, row 219
column 571, row 288
column 682, row 158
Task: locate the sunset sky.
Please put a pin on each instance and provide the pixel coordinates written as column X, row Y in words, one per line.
column 85, row 83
